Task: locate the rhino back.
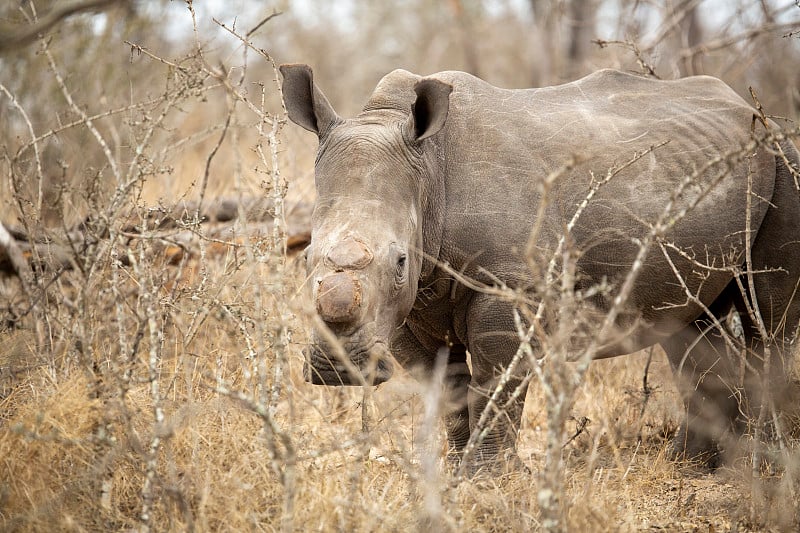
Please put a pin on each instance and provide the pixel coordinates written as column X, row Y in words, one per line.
column 501, row 144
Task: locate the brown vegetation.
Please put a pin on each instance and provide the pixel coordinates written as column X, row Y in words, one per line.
column 142, row 387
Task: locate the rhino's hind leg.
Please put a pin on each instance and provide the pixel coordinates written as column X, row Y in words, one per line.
column 704, row 372
column 721, row 374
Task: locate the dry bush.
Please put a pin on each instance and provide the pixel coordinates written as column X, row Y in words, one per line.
column 142, row 393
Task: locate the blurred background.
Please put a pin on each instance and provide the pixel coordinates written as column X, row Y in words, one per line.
column 350, row 44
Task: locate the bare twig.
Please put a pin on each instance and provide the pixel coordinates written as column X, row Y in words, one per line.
column 89, row 123
column 728, row 41
column 37, row 157
column 11, row 38
column 646, row 66
column 580, row 426
column 262, row 22
column 647, row 391
column 676, row 17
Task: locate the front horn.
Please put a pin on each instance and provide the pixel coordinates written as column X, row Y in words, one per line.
column 339, row 297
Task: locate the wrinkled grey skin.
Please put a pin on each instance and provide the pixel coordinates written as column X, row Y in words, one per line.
column 447, row 169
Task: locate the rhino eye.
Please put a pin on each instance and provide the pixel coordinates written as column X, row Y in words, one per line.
column 400, row 269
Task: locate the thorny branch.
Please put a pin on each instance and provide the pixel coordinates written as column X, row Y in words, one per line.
column 645, row 65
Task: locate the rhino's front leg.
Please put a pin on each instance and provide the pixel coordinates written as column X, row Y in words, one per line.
column 417, row 353
column 457, row 420
column 493, row 342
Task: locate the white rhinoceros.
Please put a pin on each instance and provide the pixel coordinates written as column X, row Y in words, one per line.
column 446, row 174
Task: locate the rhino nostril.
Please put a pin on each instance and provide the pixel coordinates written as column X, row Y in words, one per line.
column 338, row 297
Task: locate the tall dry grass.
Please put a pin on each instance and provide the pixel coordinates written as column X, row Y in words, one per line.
column 139, row 392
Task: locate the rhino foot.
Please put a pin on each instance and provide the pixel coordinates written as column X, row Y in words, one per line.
column 700, row 450
column 503, row 464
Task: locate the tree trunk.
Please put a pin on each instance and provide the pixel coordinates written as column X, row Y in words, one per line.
column 582, row 28
column 467, row 36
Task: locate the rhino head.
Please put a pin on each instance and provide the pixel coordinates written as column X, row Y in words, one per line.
column 375, row 219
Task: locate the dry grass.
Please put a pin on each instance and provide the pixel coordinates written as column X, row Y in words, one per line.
column 215, row 467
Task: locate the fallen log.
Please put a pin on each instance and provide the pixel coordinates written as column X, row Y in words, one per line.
column 217, row 225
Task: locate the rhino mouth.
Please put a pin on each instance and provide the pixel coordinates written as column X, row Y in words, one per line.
column 373, row 364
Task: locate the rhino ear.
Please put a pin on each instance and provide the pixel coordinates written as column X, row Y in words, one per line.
column 305, row 103
column 429, row 112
